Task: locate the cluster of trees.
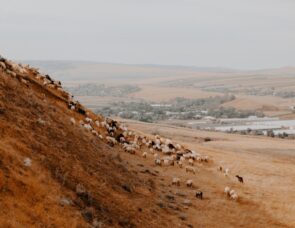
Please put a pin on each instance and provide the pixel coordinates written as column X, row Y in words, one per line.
column 186, row 104
column 285, row 94
column 233, row 113
column 270, row 91
column 178, row 108
column 269, row 133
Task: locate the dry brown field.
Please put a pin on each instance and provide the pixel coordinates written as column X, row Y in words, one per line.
column 267, row 166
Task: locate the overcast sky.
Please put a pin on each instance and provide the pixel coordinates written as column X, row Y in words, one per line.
column 226, row 33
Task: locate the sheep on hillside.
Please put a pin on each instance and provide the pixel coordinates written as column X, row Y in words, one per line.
column 231, row 193
column 129, row 148
column 240, row 179
column 88, row 127
column 180, row 164
column 190, row 169
column 158, row 161
column 73, row 121
column 111, row 141
column 176, row 181
column 227, row 190
column 2, row 65
column 199, row 195
column 168, row 162
column 189, row 183
column 11, row 73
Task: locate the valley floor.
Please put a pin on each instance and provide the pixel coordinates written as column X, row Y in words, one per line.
column 267, row 198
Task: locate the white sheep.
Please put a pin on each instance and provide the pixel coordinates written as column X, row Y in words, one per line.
column 103, row 124
column 166, row 149
column 158, row 161
column 94, row 132
column 144, row 154
column 227, row 190
column 24, row 81
column 176, row 181
column 111, row 140
column 186, row 156
column 97, row 123
column 2, row 65
column 231, row 192
column 88, row 120
column 190, row 169
column 180, row 164
column 27, row 162
column 46, row 81
column 157, row 147
column 168, row 162
column 125, row 134
column 234, row 196
column 11, row 73
column 73, row 121
column 226, row 172
column 205, row 158
column 178, row 147
column 173, row 157
column 191, row 162
column 189, row 183
column 122, row 139
column 50, row 86
column 88, row 127
column 128, row 148
column 158, row 142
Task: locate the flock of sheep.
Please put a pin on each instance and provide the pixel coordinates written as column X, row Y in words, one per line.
column 164, row 151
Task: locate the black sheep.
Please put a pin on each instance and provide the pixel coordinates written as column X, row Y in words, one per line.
column 199, row 195
column 240, row 178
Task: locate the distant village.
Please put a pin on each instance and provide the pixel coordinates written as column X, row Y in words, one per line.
column 204, row 113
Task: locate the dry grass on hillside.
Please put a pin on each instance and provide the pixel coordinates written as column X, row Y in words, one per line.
column 267, row 166
column 120, row 189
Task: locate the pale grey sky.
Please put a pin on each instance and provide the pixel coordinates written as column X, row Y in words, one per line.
column 226, row 33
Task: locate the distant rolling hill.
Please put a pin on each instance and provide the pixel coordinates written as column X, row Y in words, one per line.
column 91, row 71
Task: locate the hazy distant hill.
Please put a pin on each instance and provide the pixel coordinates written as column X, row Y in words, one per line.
column 201, row 77
column 89, row 71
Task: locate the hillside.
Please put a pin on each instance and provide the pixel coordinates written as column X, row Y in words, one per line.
column 63, row 166
column 35, row 124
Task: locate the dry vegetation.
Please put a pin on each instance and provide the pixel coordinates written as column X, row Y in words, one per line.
column 267, row 166
column 64, row 156
column 125, row 190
